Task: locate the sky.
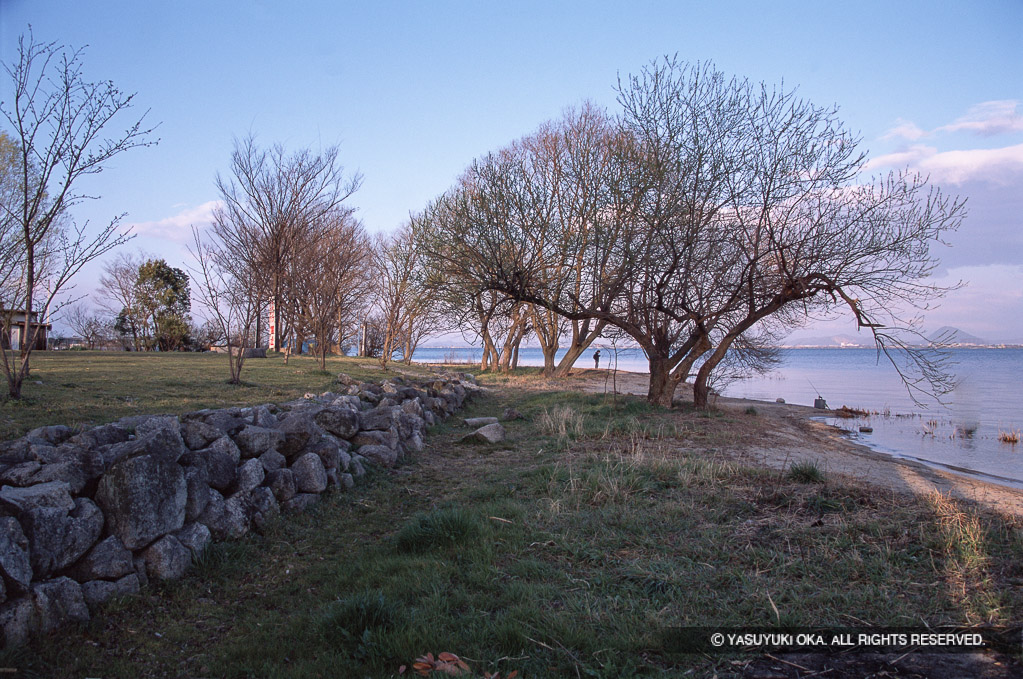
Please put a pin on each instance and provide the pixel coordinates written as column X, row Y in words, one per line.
column 413, row 91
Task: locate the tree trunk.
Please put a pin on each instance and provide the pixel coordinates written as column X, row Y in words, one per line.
column 235, row 362
column 512, row 341
column 701, row 385
column 547, row 333
column 259, row 330
column 662, row 382
column 278, row 297
column 582, row 338
column 701, row 390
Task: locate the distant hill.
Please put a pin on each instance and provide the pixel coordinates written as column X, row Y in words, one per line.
column 948, row 334
column 951, row 335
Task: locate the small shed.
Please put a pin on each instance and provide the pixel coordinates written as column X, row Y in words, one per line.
column 12, row 329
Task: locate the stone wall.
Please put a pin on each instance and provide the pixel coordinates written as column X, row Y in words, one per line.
column 87, row 515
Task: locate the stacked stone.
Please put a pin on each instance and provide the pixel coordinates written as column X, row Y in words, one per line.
column 88, row 515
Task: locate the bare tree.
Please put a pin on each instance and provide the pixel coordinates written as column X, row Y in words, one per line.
column 85, row 323
column 723, row 206
column 405, row 299
column 540, row 214
column 331, row 281
column 228, row 301
column 570, row 164
column 58, row 121
column 118, row 295
column 271, row 202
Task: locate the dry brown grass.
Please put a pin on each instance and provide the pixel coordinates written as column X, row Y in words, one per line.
column 1010, row 437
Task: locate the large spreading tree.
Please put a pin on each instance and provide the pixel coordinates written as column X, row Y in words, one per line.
column 725, row 212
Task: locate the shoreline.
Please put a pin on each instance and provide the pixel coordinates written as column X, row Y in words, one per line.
column 794, row 435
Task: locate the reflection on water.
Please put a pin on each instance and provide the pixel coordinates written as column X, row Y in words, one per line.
column 937, row 441
column 966, row 408
column 962, row 434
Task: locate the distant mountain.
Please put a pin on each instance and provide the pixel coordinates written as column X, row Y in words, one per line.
column 947, row 334
column 950, row 335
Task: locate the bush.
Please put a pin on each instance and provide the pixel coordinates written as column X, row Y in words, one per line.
column 806, row 471
column 438, row 528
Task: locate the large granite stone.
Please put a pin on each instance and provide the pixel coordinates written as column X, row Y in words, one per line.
column 143, row 497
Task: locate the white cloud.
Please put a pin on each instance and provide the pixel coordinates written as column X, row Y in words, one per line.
column 905, row 129
column 904, row 158
column 1001, row 166
column 988, row 118
column 177, row 228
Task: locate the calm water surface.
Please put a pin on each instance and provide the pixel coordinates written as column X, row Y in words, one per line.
column 961, row 434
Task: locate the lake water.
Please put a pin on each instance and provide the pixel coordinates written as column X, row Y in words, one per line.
column 961, row 435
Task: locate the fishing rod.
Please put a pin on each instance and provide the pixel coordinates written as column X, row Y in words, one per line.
column 815, row 389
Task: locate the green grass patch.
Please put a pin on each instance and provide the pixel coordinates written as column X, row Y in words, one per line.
column 807, row 471
column 439, row 528
column 85, row 388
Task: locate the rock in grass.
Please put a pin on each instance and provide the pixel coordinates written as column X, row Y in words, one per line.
column 58, row 602
column 340, row 420
column 300, row 431
column 167, row 558
column 195, row 537
column 376, row 437
column 222, row 458
column 253, row 441
column 14, row 561
column 300, row 502
column 143, row 498
column 281, row 483
column 197, row 480
column 272, row 460
column 197, row 434
column 108, row 560
column 225, row 518
column 263, row 507
column 16, row 619
column 491, row 433
column 250, row 475
column 52, row 495
column 98, row 592
column 310, row 475
column 329, row 452
column 58, row 538
column 477, row 422
column 54, row 435
column 382, row 455
column 380, row 418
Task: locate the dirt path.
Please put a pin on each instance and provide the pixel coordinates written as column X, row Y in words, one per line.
column 793, row 437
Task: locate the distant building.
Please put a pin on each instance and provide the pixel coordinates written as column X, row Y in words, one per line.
column 12, row 326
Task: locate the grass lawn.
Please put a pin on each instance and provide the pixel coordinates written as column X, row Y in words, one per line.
column 574, row 548
column 93, row 387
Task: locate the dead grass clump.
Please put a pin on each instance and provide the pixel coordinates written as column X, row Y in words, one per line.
column 562, row 422
column 845, row 412
column 1010, row 437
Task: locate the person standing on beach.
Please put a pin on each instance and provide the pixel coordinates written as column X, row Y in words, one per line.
column 596, row 359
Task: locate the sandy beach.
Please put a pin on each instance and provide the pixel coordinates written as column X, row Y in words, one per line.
column 793, row 436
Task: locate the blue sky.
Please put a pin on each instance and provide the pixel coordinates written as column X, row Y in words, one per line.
column 412, row 91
